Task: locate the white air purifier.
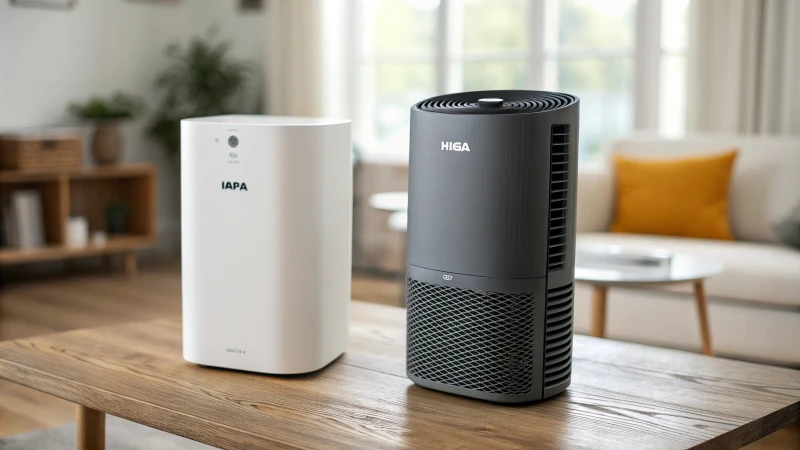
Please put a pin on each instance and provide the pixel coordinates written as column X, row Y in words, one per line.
column 266, row 207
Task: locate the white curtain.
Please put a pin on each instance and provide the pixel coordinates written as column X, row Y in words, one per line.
column 744, row 66
column 294, row 58
column 306, row 57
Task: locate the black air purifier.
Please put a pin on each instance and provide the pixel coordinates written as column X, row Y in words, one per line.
column 491, row 243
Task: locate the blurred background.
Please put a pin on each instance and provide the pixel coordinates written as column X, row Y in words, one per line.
column 91, row 94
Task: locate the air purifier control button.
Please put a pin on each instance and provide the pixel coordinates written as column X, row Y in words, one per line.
column 490, row 102
column 233, row 141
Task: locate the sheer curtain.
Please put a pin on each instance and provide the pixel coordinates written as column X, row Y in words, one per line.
column 294, row 56
column 744, row 66
column 306, row 57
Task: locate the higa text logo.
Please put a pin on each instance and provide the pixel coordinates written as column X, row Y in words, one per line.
column 455, row 146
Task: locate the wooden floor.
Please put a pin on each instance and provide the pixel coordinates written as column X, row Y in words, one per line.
column 86, row 300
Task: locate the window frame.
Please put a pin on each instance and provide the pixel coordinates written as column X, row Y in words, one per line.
column 646, row 55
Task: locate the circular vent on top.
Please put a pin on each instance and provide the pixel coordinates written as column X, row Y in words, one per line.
column 515, row 102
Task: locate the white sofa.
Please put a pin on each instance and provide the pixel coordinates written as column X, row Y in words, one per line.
column 754, row 307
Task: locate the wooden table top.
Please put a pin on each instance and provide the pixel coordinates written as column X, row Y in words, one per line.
column 622, row 395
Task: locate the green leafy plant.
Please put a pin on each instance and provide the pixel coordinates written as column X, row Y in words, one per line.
column 118, row 106
column 203, row 80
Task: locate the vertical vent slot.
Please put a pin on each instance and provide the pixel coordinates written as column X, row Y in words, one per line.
column 558, row 339
column 559, row 185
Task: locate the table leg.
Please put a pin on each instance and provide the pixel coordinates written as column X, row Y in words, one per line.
column 599, row 310
column 91, row 429
column 131, row 268
column 108, row 262
column 702, row 316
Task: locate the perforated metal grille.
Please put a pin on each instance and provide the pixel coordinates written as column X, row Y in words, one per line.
column 558, row 340
column 470, row 339
column 559, row 169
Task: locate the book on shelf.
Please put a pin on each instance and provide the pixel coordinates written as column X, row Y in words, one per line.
column 9, row 235
column 23, row 222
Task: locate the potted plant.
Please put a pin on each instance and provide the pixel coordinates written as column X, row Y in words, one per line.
column 107, row 113
column 202, row 80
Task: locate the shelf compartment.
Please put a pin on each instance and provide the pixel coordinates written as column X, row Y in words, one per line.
column 87, row 191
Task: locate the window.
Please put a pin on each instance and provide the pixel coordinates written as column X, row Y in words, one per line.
column 674, row 35
column 625, row 59
column 395, row 69
column 589, row 51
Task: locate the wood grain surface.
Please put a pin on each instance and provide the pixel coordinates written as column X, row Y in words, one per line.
column 83, row 172
column 89, row 296
column 622, row 395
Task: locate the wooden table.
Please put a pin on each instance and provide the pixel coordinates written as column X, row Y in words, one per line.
column 600, row 306
column 622, row 395
column 683, row 268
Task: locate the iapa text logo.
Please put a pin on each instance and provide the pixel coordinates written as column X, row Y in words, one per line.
column 234, row 186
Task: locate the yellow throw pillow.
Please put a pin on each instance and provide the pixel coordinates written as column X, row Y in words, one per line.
column 676, row 197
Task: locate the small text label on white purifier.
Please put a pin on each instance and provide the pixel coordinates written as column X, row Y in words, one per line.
column 455, row 146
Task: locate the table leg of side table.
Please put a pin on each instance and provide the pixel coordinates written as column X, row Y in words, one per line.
column 599, row 310
column 702, row 316
column 131, row 268
column 91, row 429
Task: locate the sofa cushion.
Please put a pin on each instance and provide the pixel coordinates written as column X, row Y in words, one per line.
column 765, row 185
column 685, row 196
column 756, row 272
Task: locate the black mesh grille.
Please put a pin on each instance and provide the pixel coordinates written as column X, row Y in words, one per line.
column 535, row 102
column 558, row 341
column 470, row 339
column 559, row 169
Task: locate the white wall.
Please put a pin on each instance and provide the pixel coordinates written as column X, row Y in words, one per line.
column 49, row 58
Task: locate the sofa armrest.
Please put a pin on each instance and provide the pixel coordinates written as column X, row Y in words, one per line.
column 595, row 207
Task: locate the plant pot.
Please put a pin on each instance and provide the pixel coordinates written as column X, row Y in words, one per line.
column 107, row 145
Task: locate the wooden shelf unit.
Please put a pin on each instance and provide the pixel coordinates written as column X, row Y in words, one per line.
column 87, row 191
